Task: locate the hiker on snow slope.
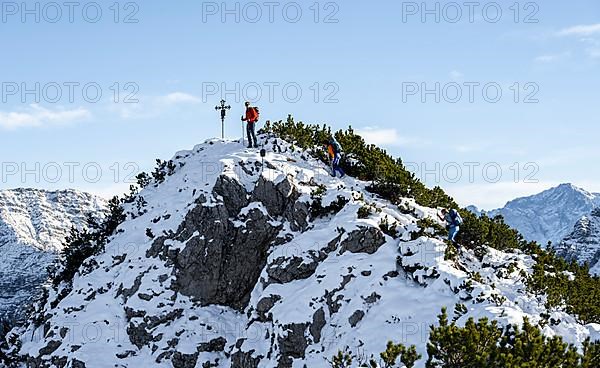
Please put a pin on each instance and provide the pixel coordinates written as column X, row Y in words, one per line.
column 334, row 150
column 251, row 119
column 453, row 222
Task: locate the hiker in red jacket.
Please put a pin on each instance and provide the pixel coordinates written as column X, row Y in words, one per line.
column 251, row 118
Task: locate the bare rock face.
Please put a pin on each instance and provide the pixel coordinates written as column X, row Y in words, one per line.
column 281, row 200
column 365, row 240
column 292, row 345
column 226, row 248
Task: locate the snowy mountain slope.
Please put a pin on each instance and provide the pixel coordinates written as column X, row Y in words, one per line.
column 549, row 215
column 227, row 267
column 583, row 244
column 33, row 226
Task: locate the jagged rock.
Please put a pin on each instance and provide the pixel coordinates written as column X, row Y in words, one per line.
column 181, row 360
column 281, row 200
column 295, row 269
column 242, row 359
column 63, row 332
column 214, row 345
column 583, row 244
column 223, row 266
column 131, row 313
column 164, row 319
column 265, row 304
column 234, row 194
column 373, row 298
column 317, row 325
column 50, row 348
column 356, row 317
column 138, row 335
column 77, row 364
column 391, row 274
column 292, row 345
column 129, row 292
column 59, row 362
column 366, row 240
column 333, row 303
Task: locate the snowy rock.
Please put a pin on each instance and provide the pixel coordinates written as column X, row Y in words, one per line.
column 33, row 227
column 549, row 215
column 583, row 244
column 239, row 275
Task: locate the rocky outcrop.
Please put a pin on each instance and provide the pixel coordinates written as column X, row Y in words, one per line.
column 583, row 244
column 281, row 200
column 292, row 344
column 365, row 240
column 225, row 248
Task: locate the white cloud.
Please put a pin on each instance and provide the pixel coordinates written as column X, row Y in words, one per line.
column 179, row 98
column 456, row 75
column 551, row 58
column 37, row 116
column 388, row 137
column 581, row 30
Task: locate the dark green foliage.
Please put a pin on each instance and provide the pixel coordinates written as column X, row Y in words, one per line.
column 477, row 231
column 149, row 233
column 568, row 284
column 428, row 227
column 451, row 252
column 133, row 191
column 5, row 326
column 116, row 215
column 388, row 228
column 343, row 359
column 143, row 180
column 392, row 181
column 367, row 162
column 318, row 210
column 82, row 244
column 390, row 358
column 591, row 354
column 484, row 344
column 316, row 207
column 162, row 170
column 408, row 356
column 364, row 212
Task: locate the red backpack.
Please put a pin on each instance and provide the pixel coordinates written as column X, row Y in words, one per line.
column 257, row 113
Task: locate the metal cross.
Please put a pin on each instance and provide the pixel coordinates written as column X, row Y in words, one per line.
column 223, row 109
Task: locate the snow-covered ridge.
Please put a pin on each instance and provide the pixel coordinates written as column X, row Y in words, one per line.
column 549, row 215
column 33, row 227
column 583, row 244
column 227, row 266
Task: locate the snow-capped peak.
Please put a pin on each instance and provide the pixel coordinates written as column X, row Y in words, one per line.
column 549, row 215
column 238, row 261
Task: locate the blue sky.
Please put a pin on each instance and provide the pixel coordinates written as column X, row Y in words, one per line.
column 354, row 63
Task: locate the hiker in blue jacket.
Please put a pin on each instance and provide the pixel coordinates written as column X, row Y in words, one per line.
column 453, row 222
column 334, row 150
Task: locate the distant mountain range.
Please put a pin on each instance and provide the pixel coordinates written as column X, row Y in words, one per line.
column 565, row 215
column 583, row 244
column 33, row 226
